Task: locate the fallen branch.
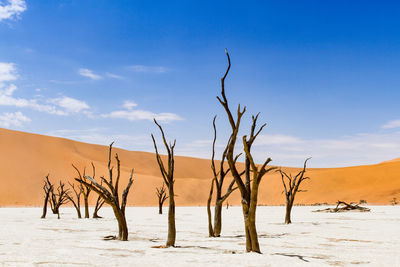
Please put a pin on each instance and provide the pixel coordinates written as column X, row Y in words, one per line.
column 343, row 207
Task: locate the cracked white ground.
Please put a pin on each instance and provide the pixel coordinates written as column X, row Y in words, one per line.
column 313, row 239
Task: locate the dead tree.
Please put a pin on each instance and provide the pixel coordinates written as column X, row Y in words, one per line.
column 343, row 207
column 99, row 203
column 59, row 198
column 218, row 180
column 85, row 189
column 168, row 177
column 162, row 196
column 253, row 174
column 110, row 193
column 77, row 201
column 291, row 186
column 47, row 188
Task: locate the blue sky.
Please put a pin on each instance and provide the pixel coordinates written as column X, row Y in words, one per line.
column 323, row 74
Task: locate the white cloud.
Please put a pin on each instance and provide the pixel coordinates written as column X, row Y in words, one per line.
column 276, row 139
column 59, row 106
column 89, row 74
column 114, row 76
column 11, row 9
column 13, row 119
column 286, row 150
column 129, row 104
column 149, row 69
column 8, row 72
column 342, row 151
column 70, row 105
column 134, row 115
column 392, row 124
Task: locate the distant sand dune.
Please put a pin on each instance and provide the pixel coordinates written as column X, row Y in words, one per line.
column 26, row 158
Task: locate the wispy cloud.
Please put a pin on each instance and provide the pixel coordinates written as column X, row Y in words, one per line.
column 89, row 74
column 148, row 69
column 11, row 9
column 8, row 119
column 136, row 114
column 129, row 104
column 114, row 76
column 8, row 72
column 69, row 104
column 392, row 124
column 289, row 150
column 59, row 106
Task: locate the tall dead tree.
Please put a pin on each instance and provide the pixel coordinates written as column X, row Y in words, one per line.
column 47, row 188
column 162, row 196
column 218, row 180
column 168, row 177
column 291, row 186
column 110, row 193
column 85, row 189
column 253, row 173
column 77, row 201
column 59, row 198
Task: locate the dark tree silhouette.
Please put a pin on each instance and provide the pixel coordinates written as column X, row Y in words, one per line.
column 249, row 187
column 47, row 188
column 59, row 198
column 291, row 186
column 77, row 201
column 110, row 194
column 99, row 203
column 168, row 177
column 218, row 180
column 85, row 189
column 162, row 196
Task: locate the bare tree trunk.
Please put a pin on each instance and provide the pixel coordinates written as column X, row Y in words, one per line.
column 171, row 217
column 217, row 218
column 86, row 199
column 160, row 208
column 99, row 204
column 96, row 215
column 289, row 206
column 122, row 225
column 46, row 200
column 210, row 226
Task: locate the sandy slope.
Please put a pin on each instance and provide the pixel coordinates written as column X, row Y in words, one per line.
column 26, row 158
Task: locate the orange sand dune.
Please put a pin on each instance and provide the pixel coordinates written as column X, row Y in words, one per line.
column 26, row 158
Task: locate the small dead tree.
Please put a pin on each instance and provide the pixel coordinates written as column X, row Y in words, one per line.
column 77, row 201
column 59, row 198
column 85, row 189
column 168, row 177
column 249, row 187
column 110, row 194
column 291, row 186
column 162, row 196
column 218, row 180
column 47, row 188
column 99, row 203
